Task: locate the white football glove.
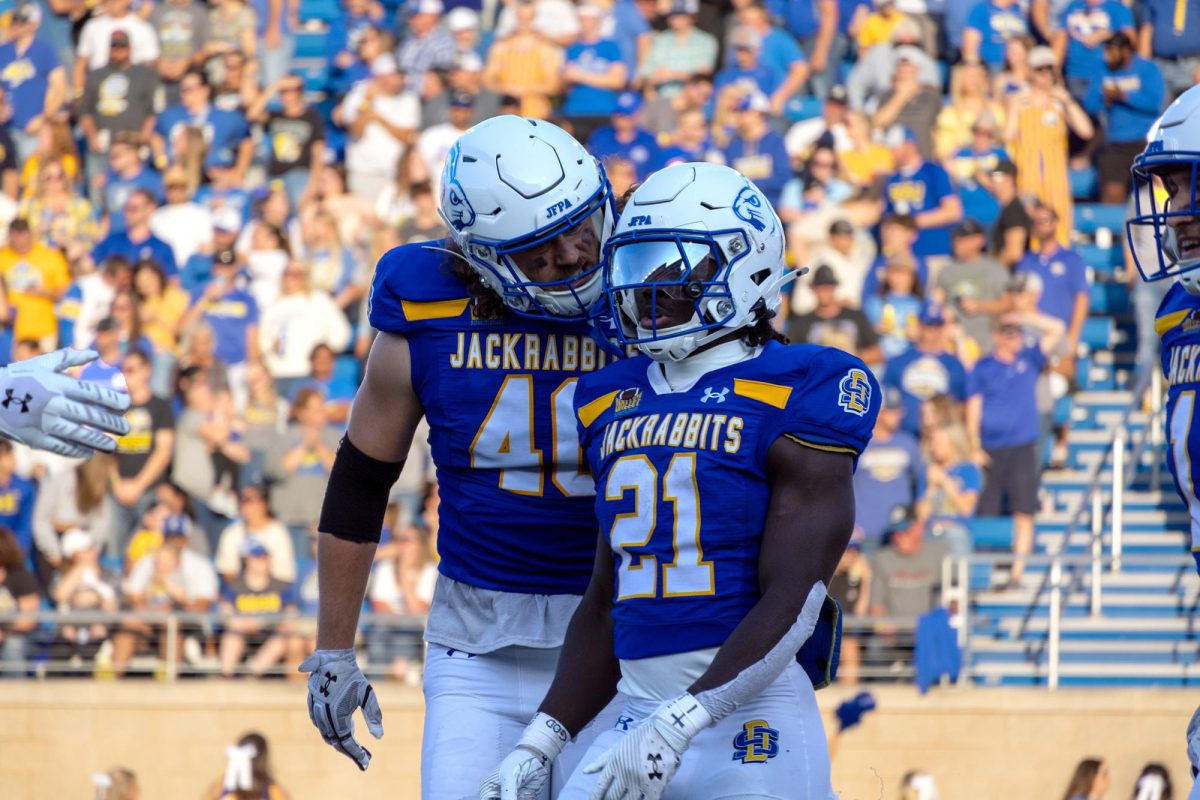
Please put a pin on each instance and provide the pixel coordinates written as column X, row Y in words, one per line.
column 1193, row 739
column 43, row 408
column 336, row 687
column 641, row 765
column 523, row 773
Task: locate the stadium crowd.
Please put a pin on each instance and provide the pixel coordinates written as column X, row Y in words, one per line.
column 200, row 193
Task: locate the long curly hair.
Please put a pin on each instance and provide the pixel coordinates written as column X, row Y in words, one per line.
column 487, row 304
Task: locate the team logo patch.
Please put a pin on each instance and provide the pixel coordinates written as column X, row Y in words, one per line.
column 1191, row 322
column 855, row 394
column 748, row 207
column 756, row 743
column 627, row 400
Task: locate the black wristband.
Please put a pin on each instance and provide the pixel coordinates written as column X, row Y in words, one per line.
column 356, row 497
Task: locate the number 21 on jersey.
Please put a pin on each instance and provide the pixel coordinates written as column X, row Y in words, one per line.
column 505, row 441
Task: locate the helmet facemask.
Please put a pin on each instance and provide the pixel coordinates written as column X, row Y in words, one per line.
column 1164, row 231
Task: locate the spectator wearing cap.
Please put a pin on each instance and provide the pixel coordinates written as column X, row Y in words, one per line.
column 972, row 166
column 1002, row 417
column 295, row 137
column 1078, row 44
column 137, row 241
column 850, row 253
column 253, row 594
column 906, row 575
column 525, row 65
column 890, row 472
column 106, row 369
column 465, row 79
column 593, row 74
column 463, row 24
column 182, row 30
column 897, row 235
column 626, row 139
column 126, row 174
column 921, row 189
column 427, row 47
column 95, row 40
column 226, row 225
column 435, row 142
column 990, row 25
column 871, row 76
column 227, row 133
column 33, row 78
column 829, row 128
column 17, row 498
column 746, row 72
column 777, row 51
column 677, row 53
column 1038, row 120
column 181, row 222
column 118, row 98
column 927, row 368
column 381, row 117
column 35, row 276
column 1134, row 91
column 1172, row 42
column 832, row 323
column 83, row 586
column 1013, row 228
column 1066, row 292
column 756, row 150
column 910, row 103
column 256, row 523
column 974, row 284
column 172, row 578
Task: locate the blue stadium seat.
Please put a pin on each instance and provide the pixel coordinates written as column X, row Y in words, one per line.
column 1083, row 183
column 324, row 10
column 1109, row 298
column 1103, row 260
column 311, row 44
column 1091, row 216
column 991, row 533
column 1098, row 333
column 800, row 108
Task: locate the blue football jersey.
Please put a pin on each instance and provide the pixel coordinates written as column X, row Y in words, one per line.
column 1178, row 325
column 681, row 483
column 516, row 503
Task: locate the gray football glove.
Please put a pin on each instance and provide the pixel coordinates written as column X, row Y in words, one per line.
column 43, row 408
column 336, row 687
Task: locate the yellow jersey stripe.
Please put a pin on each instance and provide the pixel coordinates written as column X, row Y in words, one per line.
column 436, row 309
column 773, row 394
column 1168, row 321
column 828, row 448
column 588, row 413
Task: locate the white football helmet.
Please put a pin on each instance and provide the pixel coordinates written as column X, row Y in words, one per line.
column 1166, row 201
column 696, row 238
column 513, row 184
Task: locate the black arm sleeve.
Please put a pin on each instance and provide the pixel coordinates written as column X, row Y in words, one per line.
column 357, row 494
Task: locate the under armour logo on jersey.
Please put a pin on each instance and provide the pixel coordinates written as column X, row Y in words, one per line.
column 653, row 766
column 855, row 393
column 756, row 742
column 709, row 394
column 623, row 722
column 329, row 678
column 9, row 399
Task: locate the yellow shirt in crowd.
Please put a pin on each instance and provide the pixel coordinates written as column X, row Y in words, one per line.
column 41, row 269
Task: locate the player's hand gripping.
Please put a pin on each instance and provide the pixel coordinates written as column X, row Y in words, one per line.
column 43, row 408
column 643, row 763
column 336, row 687
column 523, row 773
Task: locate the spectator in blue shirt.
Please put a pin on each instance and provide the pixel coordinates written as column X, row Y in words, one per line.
column 126, row 174
column 1133, row 91
column 136, row 241
column 629, row 26
column 1170, row 33
column 778, row 52
column 625, row 138
column 227, row 225
column 1079, row 45
column 953, row 484
column 337, row 390
column 927, row 369
column 227, row 308
column 17, row 496
column 1002, row 416
column 921, row 189
column 1065, row 293
column 989, row 26
column 227, row 133
column 756, row 149
column 890, row 472
column 593, row 74
column 897, row 235
column 746, row 69
column 347, row 28
column 32, row 75
column 107, row 368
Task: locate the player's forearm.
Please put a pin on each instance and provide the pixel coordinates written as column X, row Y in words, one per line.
column 588, row 671
column 343, row 568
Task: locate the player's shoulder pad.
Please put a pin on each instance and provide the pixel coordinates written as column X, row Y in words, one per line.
column 413, row 288
column 598, row 392
column 828, row 397
column 1177, row 307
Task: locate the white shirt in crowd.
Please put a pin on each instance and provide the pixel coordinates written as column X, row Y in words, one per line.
column 266, row 274
column 386, row 589
column 554, row 19
column 96, row 38
column 94, row 304
column 377, row 150
column 434, row 146
column 195, row 575
column 293, row 325
column 184, row 226
column 273, row 536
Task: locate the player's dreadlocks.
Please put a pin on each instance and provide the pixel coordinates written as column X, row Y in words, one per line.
column 762, row 331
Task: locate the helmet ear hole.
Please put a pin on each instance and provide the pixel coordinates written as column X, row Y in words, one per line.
column 760, row 276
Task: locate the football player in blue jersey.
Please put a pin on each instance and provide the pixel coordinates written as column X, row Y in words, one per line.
column 1164, row 237
column 723, row 461
column 486, row 335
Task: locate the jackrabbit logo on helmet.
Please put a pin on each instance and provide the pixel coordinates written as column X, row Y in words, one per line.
column 747, row 206
column 459, row 212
